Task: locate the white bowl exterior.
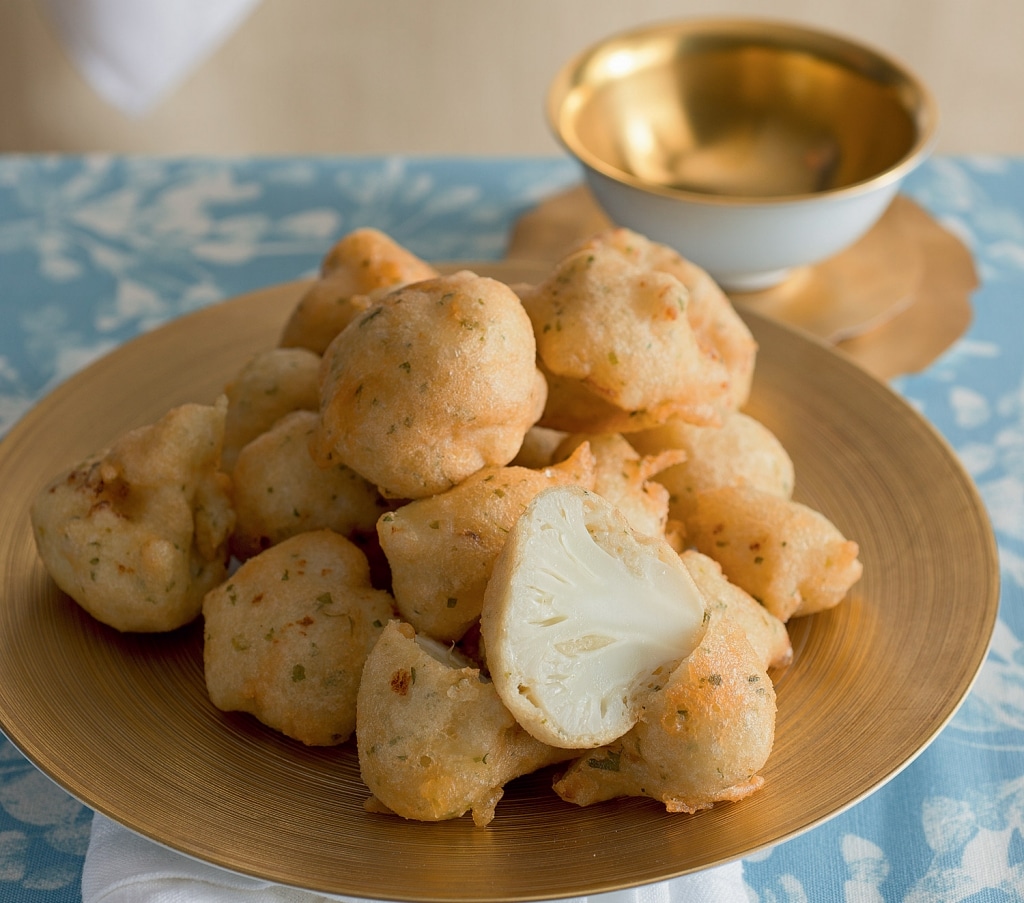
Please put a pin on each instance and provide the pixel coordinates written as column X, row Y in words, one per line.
column 745, row 247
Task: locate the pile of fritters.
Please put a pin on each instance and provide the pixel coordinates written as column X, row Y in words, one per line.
column 336, row 517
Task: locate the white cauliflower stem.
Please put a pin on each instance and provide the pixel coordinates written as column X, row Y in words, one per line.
column 581, row 615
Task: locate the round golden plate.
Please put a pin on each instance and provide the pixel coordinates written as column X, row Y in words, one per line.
column 123, row 722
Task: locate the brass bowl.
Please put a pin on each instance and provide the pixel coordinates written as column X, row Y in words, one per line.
column 749, row 146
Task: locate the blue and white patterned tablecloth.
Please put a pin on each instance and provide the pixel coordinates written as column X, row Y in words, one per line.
column 95, row 250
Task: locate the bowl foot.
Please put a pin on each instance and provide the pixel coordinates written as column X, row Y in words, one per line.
column 751, row 282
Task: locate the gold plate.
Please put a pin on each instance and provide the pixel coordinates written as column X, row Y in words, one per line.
column 123, row 722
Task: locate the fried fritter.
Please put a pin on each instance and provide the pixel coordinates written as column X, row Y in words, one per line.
column 279, row 491
column 435, row 382
column 701, row 739
column 619, row 334
column 137, row 534
column 720, row 330
column 739, row 450
column 789, row 557
column 620, row 352
column 356, row 270
column 287, row 635
column 434, row 739
column 274, row 383
column 442, row 549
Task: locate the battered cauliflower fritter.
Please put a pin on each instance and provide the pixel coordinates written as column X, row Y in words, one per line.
column 361, row 265
column 433, row 383
column 279, row 491
column 433, row 738
column 137, row 534
column 719, row 329
column 619, row 350
column 702, row 738
column 286, row 636
column 739, row 450
column 788, row 556
column 272, row 384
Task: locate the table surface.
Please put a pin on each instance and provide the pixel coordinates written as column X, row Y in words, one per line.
column 95, row 250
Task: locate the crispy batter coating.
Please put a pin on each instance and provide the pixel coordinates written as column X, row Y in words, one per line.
column 137, row 534
column 720, row 330
column 625, row 478
column 442, row 549
column 360, row 266
column 618, row 334
column 287, row 635
column 739, row 450
column 279, row 491
column 701, row 739
column 274, row 383
column 432, row 384
column 789, row 557
column 765, row 632
column 323, row 310
column 434, row 740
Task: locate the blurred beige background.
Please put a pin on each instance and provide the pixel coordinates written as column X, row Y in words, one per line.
column 462, row 76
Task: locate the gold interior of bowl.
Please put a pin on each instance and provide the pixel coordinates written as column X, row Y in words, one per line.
column 740, row 110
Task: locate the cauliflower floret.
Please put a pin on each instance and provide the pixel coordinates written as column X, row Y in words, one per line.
column 580, row 616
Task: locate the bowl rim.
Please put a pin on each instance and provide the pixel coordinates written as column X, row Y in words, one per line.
column 768, row 31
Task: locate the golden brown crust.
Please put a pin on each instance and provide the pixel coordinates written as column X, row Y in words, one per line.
column 701, row 739
column 434, row 740
column 738, row 450
column 136, row 535
column 286, row 636
column 279, row 491
column 789, row 557
column 361, row 266
column 436, row 381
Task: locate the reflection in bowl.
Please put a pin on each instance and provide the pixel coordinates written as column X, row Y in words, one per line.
column 751, row 147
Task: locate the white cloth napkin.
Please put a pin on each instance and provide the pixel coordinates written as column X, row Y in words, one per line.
column 122, row 867
column 134, row 52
